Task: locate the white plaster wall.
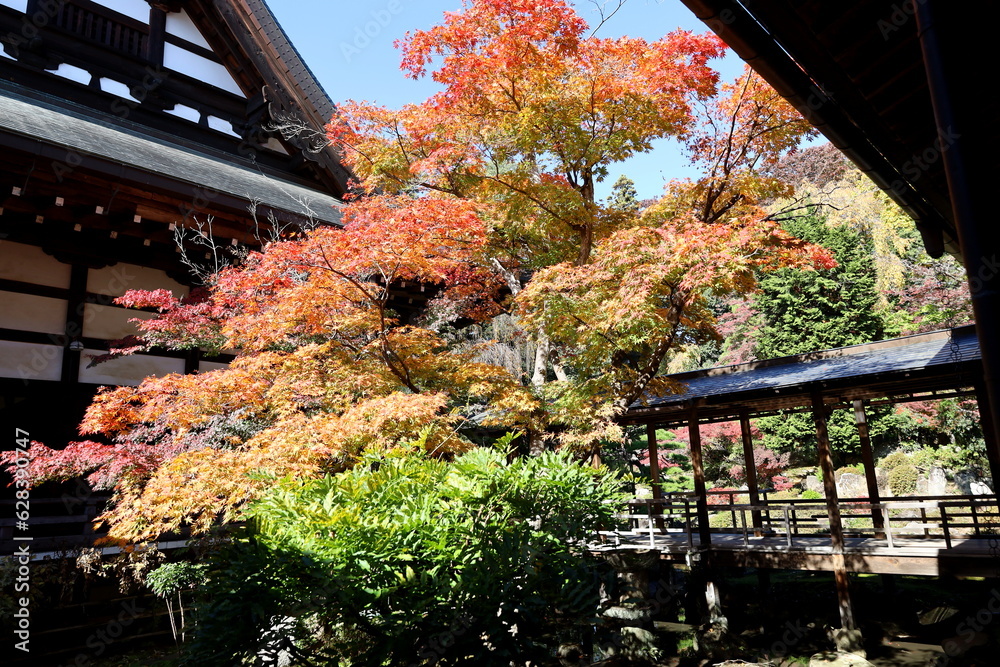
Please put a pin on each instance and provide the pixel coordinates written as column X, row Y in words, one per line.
column 110, row 322
column 181, row 25
column 118, row 279
column 129, row 370
column 203, row 69
column 137, row 9
column 28, row 361
column 78, row 74
column 25, row 312
column 30, row 264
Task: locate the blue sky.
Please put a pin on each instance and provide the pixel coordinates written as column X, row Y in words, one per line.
column 348, row 45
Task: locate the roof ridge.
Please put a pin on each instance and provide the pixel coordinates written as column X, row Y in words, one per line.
column 847, row 350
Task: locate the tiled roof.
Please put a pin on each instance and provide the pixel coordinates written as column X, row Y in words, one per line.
column 112, row 139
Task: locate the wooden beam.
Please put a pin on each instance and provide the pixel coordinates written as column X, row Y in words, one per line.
column 868, row 459
column 750, row 468
column 694, row 434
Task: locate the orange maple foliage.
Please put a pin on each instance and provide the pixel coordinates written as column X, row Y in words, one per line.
column 488, row 185
column 326, row 370
column 531, row 115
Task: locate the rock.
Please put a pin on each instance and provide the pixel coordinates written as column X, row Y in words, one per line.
column 848, row 641
column 838, row 659
column 964, row 479
column 852, row 485
column 979, row 489
column 936, row 615
column 813, row 483
column 937, row 482
column 882, row 477
column 923, row 486
column 912, row 528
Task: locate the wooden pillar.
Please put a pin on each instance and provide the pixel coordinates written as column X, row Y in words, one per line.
column 750, row 469
column 654, row 461
column 694, row 432
column 654, row 474
column 990, row 435
column 76, row 306
column 819, row 410
column 713, row 598
column 868, row 459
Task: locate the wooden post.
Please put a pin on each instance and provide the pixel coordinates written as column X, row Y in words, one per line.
column 833, row 512
column 654, row 461
column 750, row 470
column 654, row 474
column 990, row 434
column 868, row 459
column 694, row 432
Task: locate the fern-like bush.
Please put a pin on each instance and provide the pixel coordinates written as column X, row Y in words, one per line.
column 409, row 559
column 903, row 479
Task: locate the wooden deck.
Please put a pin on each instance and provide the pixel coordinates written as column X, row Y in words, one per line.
column 942, row 536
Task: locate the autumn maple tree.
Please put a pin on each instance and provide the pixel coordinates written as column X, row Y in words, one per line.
column 484, row 193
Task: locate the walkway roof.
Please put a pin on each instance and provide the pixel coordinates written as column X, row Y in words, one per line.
column 893, row 370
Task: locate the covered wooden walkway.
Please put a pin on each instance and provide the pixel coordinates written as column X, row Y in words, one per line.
column 928, row 536
column 936, row 365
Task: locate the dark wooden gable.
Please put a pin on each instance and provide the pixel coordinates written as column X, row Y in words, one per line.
column 214, row 73
column 127, row 129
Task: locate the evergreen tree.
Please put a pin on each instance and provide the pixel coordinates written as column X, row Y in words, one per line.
column 808, row 311
column 624, row 196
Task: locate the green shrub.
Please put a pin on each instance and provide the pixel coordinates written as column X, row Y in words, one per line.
column 378, row 564
column 948, row 457
column 903, row 479
column 809, row 494
column 894, row 460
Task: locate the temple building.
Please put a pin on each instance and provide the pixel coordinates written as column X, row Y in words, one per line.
column 122, row 124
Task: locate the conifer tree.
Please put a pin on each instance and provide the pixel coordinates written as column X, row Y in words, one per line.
column 624, row 196
column 807, row 311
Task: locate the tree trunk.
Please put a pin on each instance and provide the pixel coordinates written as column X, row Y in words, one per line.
column 541, row 357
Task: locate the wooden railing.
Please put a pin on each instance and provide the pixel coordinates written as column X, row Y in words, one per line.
column 913, row 522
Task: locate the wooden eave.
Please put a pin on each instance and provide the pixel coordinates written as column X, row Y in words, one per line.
column 856, row 72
